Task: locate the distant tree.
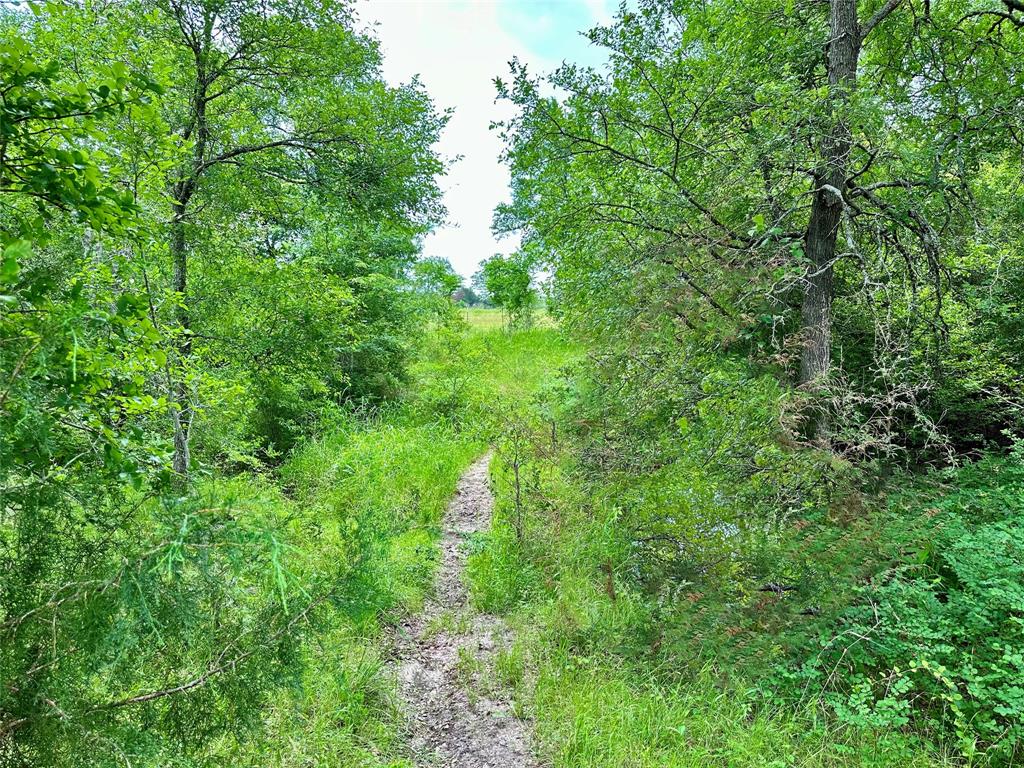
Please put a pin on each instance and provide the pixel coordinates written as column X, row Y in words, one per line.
column 479, row 286
column 508, row 283
column 467, row 297
column 435, row 275
column 434, row 283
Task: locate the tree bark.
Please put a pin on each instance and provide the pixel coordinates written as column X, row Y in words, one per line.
column 827, row 207
column 198, row 130
column 181, row 418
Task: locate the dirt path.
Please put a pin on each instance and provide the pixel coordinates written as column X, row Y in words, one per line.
column 444, row 652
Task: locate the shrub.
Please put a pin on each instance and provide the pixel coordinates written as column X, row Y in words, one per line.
column 938, row 639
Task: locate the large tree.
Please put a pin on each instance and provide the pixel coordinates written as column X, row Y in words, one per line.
column 742, row 167
column 279, row 93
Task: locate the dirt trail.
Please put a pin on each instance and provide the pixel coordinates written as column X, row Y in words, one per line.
column 444, row 651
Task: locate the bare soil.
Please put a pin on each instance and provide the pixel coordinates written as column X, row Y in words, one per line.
column 445, row 652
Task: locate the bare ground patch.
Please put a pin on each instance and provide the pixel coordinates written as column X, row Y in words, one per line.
column 446, row 652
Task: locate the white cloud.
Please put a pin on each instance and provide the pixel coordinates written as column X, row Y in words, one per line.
column 458, row 48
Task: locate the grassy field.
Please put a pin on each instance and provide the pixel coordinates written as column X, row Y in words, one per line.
column 483, row 319
column 492, row 319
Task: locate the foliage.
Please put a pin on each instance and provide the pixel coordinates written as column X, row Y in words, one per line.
column 207, row 215
column 936, row 637
column 449, row 371
column 598, row 672
column 468, row 297
column 795, row 285
column 736, row 559
column 110, row 643
column 507, row 280
column 500, row 576
column 673, row 193
column 300, row 568
column 759, row 494
column 78, row 351
column 595, row 713
column 75, row 349
column 42, row 125
column 436, row 275
column 436, row 284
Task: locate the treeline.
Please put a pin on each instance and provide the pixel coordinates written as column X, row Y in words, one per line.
column 788, row 236
column 208, row 212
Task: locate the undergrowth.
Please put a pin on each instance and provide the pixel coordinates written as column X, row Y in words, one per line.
column 380, row 482
column 372, row 494
column 682, row 615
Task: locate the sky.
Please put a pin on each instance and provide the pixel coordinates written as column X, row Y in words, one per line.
column 458, row 47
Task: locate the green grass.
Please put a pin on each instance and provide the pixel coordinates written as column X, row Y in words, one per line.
column 598, row 700
column 374, row 491
column 589, row 670
column 586, row 667
column 516, row 366
column 343, row 712
column 483, row 319
column 394, row 480
column 492, row 319
column 598, row 696
column 582, row 666
column 593, row 712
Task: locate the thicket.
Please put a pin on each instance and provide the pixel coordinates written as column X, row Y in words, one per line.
column 787, row 468
column 869, row 629
column 208, row 216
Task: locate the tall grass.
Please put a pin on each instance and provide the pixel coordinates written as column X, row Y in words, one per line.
column 589, row 669
column 374, row 490
column 371, row 493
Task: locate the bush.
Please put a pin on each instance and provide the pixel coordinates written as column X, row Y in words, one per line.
column 939, row 638
column 603, row 681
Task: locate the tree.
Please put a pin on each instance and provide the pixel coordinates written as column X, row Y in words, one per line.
column 435, row 275
column 740, row 186
column 507, row 280
column 266, row 89
column 846, row 38
column 467, row 297
column 276, row 127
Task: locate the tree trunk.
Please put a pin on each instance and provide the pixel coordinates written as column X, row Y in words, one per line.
column 827, row 207
column 181, row 417
column 184, row 188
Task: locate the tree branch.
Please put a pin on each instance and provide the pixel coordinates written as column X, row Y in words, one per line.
column 880, row 16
